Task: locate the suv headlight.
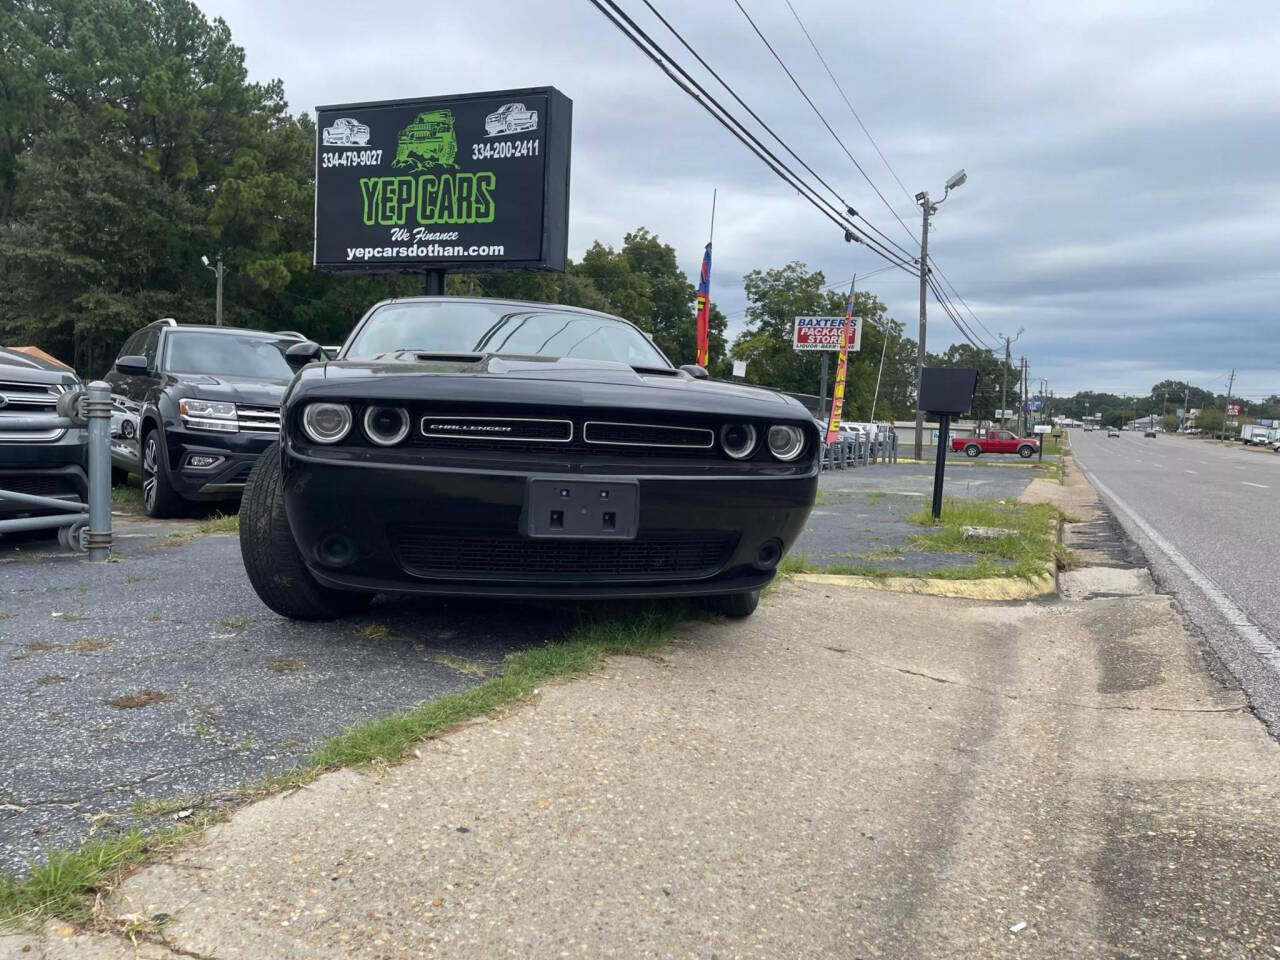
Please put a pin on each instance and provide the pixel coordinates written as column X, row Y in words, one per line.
column 326, row 422
column 785, row 441
column 217, row 415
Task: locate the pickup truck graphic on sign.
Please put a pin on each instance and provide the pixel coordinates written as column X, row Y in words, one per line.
column 510, row 118
column 428, row 141
column 346, row 132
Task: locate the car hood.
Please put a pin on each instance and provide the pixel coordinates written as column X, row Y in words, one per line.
column 569, row 381
column 250, row 390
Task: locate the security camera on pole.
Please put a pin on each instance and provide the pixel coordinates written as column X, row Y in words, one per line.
column 928, row 208
column 217, row 272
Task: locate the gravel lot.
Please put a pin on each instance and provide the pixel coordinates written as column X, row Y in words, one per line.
column 162, row 675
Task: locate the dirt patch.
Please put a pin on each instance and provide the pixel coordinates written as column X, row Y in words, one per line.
column 284, row 665
column 90, row 645
column 52, row 678
column 141, row 698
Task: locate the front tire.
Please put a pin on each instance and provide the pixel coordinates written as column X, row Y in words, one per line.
column 734, row 605
column 972, row 450
column 159, row 499
column 272, row 559
column 1026, row 452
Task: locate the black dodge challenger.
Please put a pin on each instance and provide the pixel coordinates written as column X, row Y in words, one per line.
column 500, row 448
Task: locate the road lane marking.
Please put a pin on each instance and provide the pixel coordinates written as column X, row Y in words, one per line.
column 1189, row 471
column 1138, row 459
column 1261, row 485
column 1160, row 465
column 1239, row 621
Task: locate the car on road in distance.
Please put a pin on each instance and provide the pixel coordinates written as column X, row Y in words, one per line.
column 996, row 441
column 193, row 407
column 1149, row 432
column 44, row 463
column 1113, row 432
column 500, row 448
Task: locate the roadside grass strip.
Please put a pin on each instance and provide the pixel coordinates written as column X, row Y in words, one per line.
column 1029, row 551
column 70, row 883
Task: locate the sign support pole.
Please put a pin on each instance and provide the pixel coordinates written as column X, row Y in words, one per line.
column 822, row 390
column 940, row 462
column 433, row 283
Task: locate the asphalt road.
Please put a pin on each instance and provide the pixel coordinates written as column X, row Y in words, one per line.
column 1205, row 514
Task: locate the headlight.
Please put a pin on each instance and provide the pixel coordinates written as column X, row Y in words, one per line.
column 217, row 415
column 326, row 422
column 785, row 442
column 738, row 440
column 386, row 426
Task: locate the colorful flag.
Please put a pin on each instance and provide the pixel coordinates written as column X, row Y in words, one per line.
column 842, row 366
column 704, row 309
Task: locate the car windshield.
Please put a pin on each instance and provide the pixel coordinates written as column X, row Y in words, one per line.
column 227, row 354
column 507, row 329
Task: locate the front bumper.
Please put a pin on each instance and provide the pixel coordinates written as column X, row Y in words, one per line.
column 236, row 454
column 401, row 528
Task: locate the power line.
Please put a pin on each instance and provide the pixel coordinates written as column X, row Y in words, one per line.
column 823, row 61
column 654, row 51
column 838, row 285
column 953, row 289
column 949, row 309
column 830, row 129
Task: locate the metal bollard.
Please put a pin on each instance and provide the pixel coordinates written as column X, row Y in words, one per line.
column 97, row 408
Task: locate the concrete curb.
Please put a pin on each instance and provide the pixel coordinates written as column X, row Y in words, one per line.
column 991, row 588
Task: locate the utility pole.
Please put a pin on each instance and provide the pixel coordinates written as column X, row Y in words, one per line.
column 218, row 271
column 1186, row 406
column 1222, row 437
column 927, row 209
column 1023, row 412
column 1004, row 376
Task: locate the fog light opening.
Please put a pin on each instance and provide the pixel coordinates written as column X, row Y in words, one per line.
column 336, row 550
column 769, row 555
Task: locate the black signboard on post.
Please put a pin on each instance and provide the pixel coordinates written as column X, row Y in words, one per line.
column 946, row 392
column 472, row 182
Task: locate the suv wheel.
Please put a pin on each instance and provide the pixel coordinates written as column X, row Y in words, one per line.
column 972, row 450
column 735, row 605
column 272, row 559
column 159, row 499
column 1025, row 452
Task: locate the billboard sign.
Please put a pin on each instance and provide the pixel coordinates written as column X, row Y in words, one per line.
column 824, row 333
column 1233, row 410
column 472, row 182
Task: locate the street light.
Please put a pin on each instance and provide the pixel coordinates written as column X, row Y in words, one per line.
column 928, row 208
column 217, row 272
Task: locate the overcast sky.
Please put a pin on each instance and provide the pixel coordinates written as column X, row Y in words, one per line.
column 1123, row 202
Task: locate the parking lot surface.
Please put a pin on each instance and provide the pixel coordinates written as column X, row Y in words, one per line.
column 862, row 515
column 163, row 676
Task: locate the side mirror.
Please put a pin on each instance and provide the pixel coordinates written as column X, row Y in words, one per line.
column 300, row 354
column 695, row 371
column 132, row 366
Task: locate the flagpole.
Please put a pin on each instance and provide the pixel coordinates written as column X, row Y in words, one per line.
column 711, row 234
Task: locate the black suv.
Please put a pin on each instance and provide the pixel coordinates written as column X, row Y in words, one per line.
column 193, row 408
column 44, row 463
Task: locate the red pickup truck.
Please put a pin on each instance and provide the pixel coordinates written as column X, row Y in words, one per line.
column 996, row 441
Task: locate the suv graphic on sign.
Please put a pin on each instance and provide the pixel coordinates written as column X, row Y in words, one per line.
column 346, row 132
column 428, row 141
column 510, row 118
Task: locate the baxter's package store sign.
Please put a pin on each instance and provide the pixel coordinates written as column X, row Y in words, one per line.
column 823, row 333
column 473, row 182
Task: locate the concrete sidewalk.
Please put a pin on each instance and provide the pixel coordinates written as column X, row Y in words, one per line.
column 847, row 774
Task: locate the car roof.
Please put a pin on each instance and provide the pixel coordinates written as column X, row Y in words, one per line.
column 242, row 331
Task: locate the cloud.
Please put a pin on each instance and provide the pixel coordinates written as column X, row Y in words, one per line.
column 1123, row 195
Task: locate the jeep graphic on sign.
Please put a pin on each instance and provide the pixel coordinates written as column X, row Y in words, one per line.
column 427, row 142
column 346, row 132
column 510, row 118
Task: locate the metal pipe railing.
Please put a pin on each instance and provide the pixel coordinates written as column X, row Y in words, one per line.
column 87, row 525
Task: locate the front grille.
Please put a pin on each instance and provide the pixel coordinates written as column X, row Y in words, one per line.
column 25, row 400
column 40, row 486
column 502, row 429
column 256, row 419
column 452, row 553
column 647, row 435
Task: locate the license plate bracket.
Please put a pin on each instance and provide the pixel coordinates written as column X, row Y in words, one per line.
column 581, row 509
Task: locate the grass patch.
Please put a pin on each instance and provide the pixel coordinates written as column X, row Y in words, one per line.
column 1024, row 552
column 220, row 523
column 471, row 668
column 127, row 494
column 67, row 884
column 138, row 699
column 233, row 623
column 284, row 665
column 375, row 631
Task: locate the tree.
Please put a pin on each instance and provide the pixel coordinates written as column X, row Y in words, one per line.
column 777, row 296
column 1210, row 419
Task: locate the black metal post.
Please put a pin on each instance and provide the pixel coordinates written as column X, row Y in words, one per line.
column 940, row 463
column 433, row 283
